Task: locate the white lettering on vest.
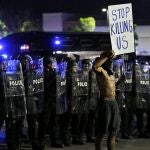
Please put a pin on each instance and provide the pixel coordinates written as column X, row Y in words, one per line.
column 15, row 83
column 38, row 81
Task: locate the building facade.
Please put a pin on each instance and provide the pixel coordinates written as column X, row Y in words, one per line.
column 63, row 21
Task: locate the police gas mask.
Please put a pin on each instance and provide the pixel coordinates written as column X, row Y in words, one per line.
column 108, row 66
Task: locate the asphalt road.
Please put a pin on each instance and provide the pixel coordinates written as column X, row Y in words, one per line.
column 132, row 144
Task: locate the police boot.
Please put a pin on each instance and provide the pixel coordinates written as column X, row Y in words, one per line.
column 90, row 140
column 81, row 141
column 75, row 140
column 57, row 143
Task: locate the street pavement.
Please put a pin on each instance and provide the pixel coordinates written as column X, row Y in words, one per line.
column 132, row 144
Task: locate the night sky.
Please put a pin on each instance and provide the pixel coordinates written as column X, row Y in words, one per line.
column 141, row 8
column 76, row 6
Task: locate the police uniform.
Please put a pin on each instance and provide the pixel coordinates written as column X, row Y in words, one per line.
column 14, row 102
column 93, row 99
column 2, row 110
column 79, row 104
column 32, row 102
column 49, row 117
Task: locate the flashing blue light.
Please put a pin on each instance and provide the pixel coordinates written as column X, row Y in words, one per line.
column 57, row 42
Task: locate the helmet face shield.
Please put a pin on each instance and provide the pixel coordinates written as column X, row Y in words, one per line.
column 26, row 62
column 86, row 67
column 85, row 64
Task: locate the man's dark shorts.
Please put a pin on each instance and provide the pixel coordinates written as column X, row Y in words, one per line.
column 107, row 116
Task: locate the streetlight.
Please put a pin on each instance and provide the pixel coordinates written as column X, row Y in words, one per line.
column 104, row 10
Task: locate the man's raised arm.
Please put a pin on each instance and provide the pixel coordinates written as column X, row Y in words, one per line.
column 99, row 61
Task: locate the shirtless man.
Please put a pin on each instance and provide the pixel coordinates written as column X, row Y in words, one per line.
column 107, row 114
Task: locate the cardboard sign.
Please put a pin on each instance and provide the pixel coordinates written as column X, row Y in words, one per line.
column 121, row 28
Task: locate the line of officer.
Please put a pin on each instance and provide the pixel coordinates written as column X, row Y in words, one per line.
column 48, row 121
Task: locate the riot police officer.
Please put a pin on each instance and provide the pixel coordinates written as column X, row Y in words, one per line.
column 33, row 78
column 93, row 99
column 71, row 79
column 14, row 102
column 2, row 114
column 84, row 75
column 78, row 97
column 62, row 103
column 50, row 118
column 142, row 96
column 122, row 101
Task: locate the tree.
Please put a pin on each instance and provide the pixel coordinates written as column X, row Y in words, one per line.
column 29, row 26
column 3, row 29
column 18, row 20
column 85, row 24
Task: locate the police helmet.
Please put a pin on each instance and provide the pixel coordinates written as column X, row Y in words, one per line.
column 85, row 61
column 48, row 60
column 71, row 64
